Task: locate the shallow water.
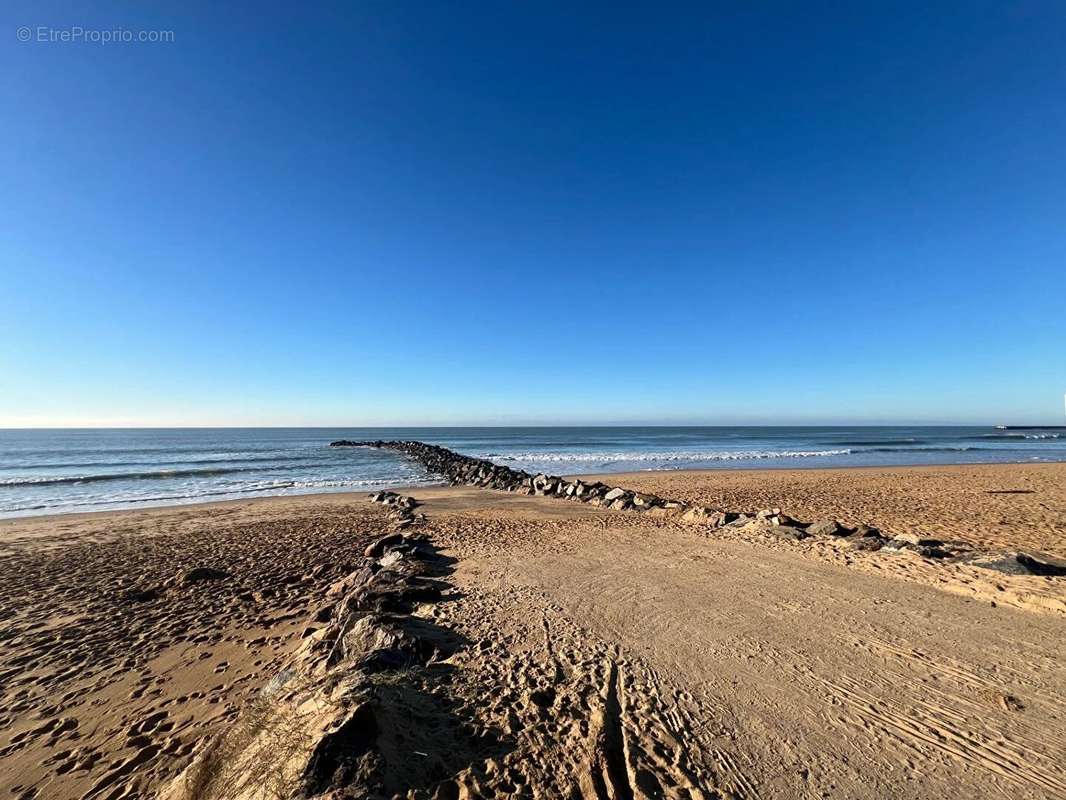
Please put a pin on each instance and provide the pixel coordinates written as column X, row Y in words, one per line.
column 49, row 471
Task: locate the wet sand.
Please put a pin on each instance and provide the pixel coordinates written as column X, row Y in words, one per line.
column 722, row 664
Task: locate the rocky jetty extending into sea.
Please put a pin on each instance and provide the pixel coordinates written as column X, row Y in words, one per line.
column 461, row 470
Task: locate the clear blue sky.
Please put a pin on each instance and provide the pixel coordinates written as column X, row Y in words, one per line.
column 422, row 212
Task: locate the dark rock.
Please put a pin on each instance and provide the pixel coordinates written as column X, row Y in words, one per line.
column 826, row 527
column 388, row 593
column 788, row 532
column 917, row 540
column 1045, row 566
column 382, row 639
column 335, row 756
column 384, row 660
column 1007, row 563
column 645, row 501
column 927, row 551
column 377, row 547
column 866, row 532
column 357, row 577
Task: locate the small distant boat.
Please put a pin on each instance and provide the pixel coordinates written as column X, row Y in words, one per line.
column 1001, row 427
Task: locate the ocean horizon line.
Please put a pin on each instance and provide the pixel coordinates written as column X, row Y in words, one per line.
column 531, row 426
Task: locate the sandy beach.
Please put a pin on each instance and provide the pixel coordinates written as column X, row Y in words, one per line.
column 576, row 651
column 415, row 401
column 995, row 506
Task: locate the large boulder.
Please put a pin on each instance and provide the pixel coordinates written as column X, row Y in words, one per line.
column 1016, row 563
column 645, row 501
column 866, row 532
column 826, row 527
column 377, row 547
column 789, row 532
column 317, row 728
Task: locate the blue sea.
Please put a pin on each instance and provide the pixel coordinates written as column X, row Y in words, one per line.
column 51, row 471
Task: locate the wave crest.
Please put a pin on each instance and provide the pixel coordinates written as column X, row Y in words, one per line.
column 161, row 474
column 600, row 458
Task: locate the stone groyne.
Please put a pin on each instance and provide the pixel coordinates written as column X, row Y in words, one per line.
column 461, row 470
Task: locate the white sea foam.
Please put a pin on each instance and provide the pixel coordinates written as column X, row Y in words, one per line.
column 659, row 457
column 1020, row 436
column 233, row 491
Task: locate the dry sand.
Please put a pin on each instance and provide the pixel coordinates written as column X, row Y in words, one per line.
column 597, row 653
column 992, row 505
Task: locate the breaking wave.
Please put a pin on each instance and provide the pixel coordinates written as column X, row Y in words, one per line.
column 600, row 458
column 1016, row 436
column 236, row 458
column 161, row 474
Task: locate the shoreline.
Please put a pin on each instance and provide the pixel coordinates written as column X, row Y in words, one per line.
column 348, row 494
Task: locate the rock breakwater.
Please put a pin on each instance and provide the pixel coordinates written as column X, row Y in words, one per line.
column 354, row 706
column 461, row 470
